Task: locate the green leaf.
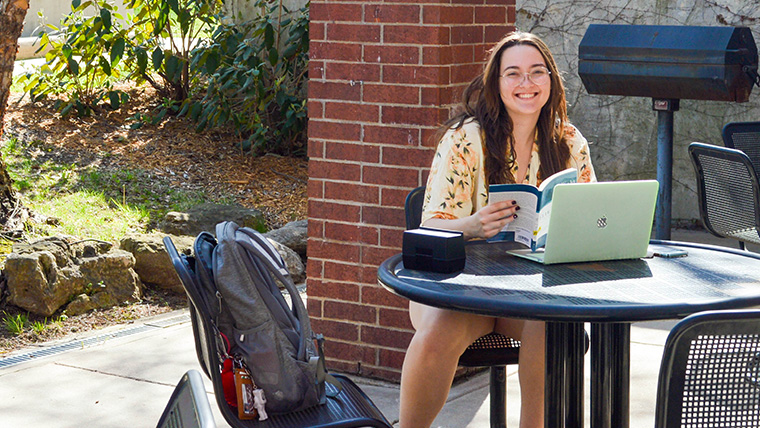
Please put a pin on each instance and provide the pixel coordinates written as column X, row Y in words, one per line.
column 174, row 5
column 75, row 3
column 269, row 36
column 115, row 99
column 105, row 65
column 172, row 68
column 289, row 51
column 163, row 18
column 213, row 59
column 185, row 108
column 195, row 111
column 273, row 56
column 184, row 21
column 73, row 66
column 117, row 50
column 105, row 15
column 142, row 60
column 66, row 50
column 157, row 57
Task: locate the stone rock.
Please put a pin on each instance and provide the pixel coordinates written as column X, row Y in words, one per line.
column 205, row 217
column 152, row 263
column 293, row 235
column 84, row 303
column 292, row 262
column 45, row 275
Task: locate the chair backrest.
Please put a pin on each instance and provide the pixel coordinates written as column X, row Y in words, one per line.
column 413, row 207
column 729, row 194
column 207, row 355
column 744, row 136
column 188, row 406
column 710, row 372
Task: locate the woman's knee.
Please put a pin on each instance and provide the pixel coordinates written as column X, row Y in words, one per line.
column 439, row 330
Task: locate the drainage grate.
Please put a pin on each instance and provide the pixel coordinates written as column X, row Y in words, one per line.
column 82, row 343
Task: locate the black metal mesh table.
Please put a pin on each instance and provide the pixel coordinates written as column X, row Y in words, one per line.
column 609, row 294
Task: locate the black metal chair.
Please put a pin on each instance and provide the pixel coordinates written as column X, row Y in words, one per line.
column 710, row 372
column 351, row 407
column 492, row 350
column 744, row 136
column 188, row 406
column 729, row 194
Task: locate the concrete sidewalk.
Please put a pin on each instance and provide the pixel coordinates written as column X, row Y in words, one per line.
column 124, row 375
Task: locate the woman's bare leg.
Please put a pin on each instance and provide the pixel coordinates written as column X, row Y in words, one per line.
column 440, row 338
column 531, row 370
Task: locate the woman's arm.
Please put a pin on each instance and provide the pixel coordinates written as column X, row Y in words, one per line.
column 485, row 223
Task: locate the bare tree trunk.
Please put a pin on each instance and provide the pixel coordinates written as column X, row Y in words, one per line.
column 12, row 14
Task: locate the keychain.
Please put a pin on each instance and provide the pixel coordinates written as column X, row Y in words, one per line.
column 251, row 399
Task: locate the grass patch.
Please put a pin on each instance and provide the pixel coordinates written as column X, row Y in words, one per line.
column 87, row 213
column 88, row 201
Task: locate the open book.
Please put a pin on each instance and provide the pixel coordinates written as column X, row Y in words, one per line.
column 532, row 222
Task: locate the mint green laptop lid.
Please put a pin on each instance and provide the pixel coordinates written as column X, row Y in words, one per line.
column 598, row 221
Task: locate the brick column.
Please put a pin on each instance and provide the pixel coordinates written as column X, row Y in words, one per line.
column 383, row 75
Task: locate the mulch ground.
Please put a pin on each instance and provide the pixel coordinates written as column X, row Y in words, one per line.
column 210, row 161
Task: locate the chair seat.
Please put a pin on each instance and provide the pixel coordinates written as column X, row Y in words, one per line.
column 491, row 350
column 348, row 409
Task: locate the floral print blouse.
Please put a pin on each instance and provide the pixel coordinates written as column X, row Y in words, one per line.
column 457, row 185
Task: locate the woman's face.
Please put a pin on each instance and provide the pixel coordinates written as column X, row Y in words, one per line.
column 522, row 97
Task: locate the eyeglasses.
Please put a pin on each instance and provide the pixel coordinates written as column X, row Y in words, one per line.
column 539, row 76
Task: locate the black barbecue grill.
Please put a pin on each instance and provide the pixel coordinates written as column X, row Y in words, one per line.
column 667, row 64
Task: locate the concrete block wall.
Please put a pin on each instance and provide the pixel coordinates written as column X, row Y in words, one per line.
column 383, row 75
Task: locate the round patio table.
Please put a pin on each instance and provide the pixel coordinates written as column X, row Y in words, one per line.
column 608, row 294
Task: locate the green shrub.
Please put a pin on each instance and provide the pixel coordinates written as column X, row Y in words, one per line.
column 257, row 76
column 250, row 76
column 83, row 63
column 151, row 44
column 163, row 33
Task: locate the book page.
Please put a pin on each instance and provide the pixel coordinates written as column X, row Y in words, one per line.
column 569, row 175
column 521, row 229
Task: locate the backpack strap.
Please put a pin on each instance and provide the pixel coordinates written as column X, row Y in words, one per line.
column 265, row 254
column 322, row 374
column 273, row 256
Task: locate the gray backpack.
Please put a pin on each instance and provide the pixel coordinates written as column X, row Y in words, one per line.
column 240, row 270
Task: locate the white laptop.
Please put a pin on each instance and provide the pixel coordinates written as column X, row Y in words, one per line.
column 598, row 221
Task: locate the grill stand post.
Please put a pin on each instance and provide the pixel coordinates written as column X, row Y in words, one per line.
column 662, row 215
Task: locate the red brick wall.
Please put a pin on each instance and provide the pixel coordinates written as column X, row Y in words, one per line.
column 383, row 75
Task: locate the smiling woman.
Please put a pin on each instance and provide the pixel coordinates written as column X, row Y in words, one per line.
column 513, row 129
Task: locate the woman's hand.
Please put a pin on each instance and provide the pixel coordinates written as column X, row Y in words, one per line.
column 490, row 219
column 485, row 223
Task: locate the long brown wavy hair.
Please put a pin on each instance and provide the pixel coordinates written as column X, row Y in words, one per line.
column 481, row 100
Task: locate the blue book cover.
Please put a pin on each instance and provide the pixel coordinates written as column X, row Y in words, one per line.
column 532, row 223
